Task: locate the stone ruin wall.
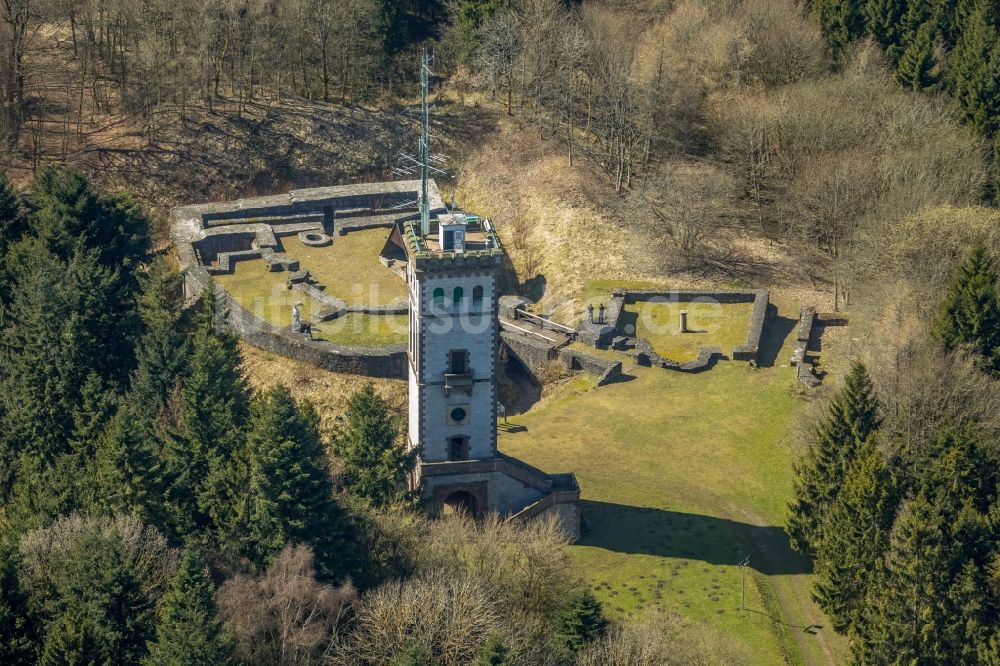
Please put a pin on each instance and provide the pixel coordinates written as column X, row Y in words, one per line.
column 247, row 228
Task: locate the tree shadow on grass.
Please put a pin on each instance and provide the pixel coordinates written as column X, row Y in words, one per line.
column 640, row 530
column 776, row 330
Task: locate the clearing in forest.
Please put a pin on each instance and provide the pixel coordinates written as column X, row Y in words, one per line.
column 684, row 475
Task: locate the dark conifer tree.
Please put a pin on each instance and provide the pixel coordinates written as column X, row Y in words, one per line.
column 70, row 639
column 842, row 22
column 60, row 332
column 917, row 68
column 162, row 351
column 884, row 19
column 918, row 13
column 102, row 614
column 12, row 227
column 126, row 473
column 291, row 492
column 583, row 621
column 854, row 538
column 188, row 631
column 853, row 417
column 975, row 68
column 213, row 411
column 67, row 213
column 19, row 635
column 494, row 653
column 935, row 603
column 970, row 313
column 376, row 465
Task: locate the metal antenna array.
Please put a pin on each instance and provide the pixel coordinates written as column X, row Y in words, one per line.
column 427, row 164
column 425, row 143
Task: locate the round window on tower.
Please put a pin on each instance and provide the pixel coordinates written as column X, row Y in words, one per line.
column 458, row 414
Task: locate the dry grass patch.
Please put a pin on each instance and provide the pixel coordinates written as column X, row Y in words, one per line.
column 329, row 391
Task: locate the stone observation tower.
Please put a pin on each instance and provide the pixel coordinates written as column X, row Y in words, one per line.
column 453, row 262
column 452, row 273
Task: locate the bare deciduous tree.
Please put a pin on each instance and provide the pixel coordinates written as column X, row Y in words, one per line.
column 285, row 617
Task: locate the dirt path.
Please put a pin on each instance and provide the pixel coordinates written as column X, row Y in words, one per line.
column 815, row 639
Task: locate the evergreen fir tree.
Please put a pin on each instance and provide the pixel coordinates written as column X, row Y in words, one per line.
column 917, row 66
column 67, row 214
column 70, row 641
column 842, row 22
column 18, row 624
column 934, row 603
column 213, row 411
column 103, row 613
column 853, row 416
column 494, row 653
column 61, row 332
column 469, row 18
column 414, row 654
column 975, row 68
column 884, row 18
column 188, row 631
column 970, row 313
column 582, row 622
column 162, row 351
column 291, row 492
column 12, row 227
column 376, row 466
column 854, row 537
column 918, row 13
column 126, row 474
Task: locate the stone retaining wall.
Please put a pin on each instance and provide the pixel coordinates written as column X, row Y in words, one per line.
column 807, row 316
column 537, row 354
column 806, row 374
column 370, row 361
column 644, row 354
column 746, row 352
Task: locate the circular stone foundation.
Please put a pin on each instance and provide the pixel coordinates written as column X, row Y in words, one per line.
column 314, row 238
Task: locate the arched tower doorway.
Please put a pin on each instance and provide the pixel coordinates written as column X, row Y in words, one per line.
column 460, row 502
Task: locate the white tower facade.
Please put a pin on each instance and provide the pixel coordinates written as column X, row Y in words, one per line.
column 452, row 274
column 453, row 357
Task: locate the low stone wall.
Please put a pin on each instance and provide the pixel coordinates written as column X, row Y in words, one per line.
column 595, row 335
column 746, row 352
column 644, row 354
column 807, row 316
column 607, row 370
column 807, row 375
column 534, row 354
column 537, row 354
column 370, row 361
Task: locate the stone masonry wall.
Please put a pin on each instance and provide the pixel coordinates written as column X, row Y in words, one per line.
column 370, row 361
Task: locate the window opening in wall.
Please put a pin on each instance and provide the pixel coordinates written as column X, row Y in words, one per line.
column 458, row 448
column 477, row 297
column 458, row 361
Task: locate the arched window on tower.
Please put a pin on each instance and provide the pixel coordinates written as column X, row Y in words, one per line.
column 477, row 298
column 458, row 296
column 438, row 298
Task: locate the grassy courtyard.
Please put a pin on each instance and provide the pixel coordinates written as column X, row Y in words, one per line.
column 349, row 267
column 363, row 330
column 683, row 476
column 722, row 325
column 264, row 294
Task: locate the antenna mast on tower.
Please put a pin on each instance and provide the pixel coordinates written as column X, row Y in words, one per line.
column 425, row 144
column 427, row 163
